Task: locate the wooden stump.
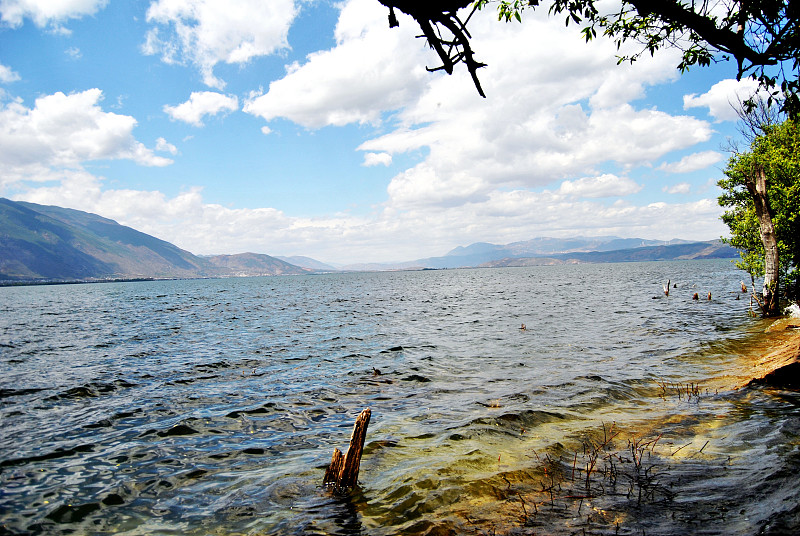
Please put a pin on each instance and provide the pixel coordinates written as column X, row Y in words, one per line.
column 342, row 473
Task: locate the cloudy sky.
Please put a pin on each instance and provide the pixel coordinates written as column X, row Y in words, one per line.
column 309, row 127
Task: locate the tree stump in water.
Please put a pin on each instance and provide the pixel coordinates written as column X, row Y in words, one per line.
column 342, row 473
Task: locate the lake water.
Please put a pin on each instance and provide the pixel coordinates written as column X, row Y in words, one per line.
column 213, row 406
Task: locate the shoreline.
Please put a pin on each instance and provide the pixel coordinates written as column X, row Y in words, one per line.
column 767, row 357
column 781, row 366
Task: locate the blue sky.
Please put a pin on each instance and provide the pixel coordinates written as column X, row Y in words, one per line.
column 309, row 127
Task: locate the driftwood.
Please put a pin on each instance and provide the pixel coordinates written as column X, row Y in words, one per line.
column 342, row 473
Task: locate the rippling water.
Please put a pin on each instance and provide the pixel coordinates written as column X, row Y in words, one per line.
column 213, row 406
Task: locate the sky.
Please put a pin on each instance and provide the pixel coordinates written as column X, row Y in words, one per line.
column 310, row 127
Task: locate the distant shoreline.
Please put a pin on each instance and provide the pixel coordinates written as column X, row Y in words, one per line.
column 34, row 283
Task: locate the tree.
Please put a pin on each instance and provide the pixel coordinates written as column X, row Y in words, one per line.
column 762, row 36
column 762, row 194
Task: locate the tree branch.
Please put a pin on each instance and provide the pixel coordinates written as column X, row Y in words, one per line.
column 723, row 39
column 431, row 15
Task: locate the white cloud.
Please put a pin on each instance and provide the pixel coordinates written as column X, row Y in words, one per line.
column 557, row 140
column 208, row 32
column 164, row 146
column 606, row 185
column 372, row 68
column 190, row 222
column 535, row 128
column 422, row 186
column 7, row 75
column 724, row 98
column 680, row 188
column 692, row 162
column 44, row 12
column 548, row 117
column 521, row 215
column 202, row 103
column 377, row 159
column 63, row 131
column 619, row 86
column 74, row 53
column 472, row 153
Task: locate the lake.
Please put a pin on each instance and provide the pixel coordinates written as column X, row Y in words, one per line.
column 213, row 406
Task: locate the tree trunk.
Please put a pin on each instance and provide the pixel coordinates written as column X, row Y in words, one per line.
column 757, row 186
column 342, row 473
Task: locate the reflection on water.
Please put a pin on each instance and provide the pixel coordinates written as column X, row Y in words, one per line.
column 212, row 407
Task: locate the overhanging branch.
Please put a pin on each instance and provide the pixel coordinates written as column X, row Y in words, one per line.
column 432, row 17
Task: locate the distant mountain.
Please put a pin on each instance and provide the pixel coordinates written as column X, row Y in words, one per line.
column 714, row 249
column 481, row 252
column 308, row 262
column 44, row 242
column 478, row 248
column 253, row 264
column 556, row 246
column 546, row 250
column 382, row 266
column 39, row 242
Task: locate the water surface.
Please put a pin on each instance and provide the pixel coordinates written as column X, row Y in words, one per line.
column 213, row 406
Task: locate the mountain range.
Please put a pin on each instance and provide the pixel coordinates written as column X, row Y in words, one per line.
column 545, row 251
column 39, row 242
column 49, row 243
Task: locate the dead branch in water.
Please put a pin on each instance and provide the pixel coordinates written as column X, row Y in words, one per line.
column 342, row 473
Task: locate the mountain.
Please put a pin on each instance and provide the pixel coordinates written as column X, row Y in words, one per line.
column 485, row 254
column 545, row 250
column 481, row 252
column 383, row 266
column 308, row 262
column 713, row 249
column 253, row 264
column 39, row 242
column 556, row 246
column 44, row 242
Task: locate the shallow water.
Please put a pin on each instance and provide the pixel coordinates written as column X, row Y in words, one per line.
column 213, row 406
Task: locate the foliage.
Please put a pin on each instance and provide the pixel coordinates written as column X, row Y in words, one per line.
column 762, row 36
column 777, row 150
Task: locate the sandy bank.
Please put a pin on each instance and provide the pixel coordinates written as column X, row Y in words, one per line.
column 781, row 366
column 770, row 358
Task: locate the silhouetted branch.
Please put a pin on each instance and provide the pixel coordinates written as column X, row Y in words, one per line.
column 432, row 17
